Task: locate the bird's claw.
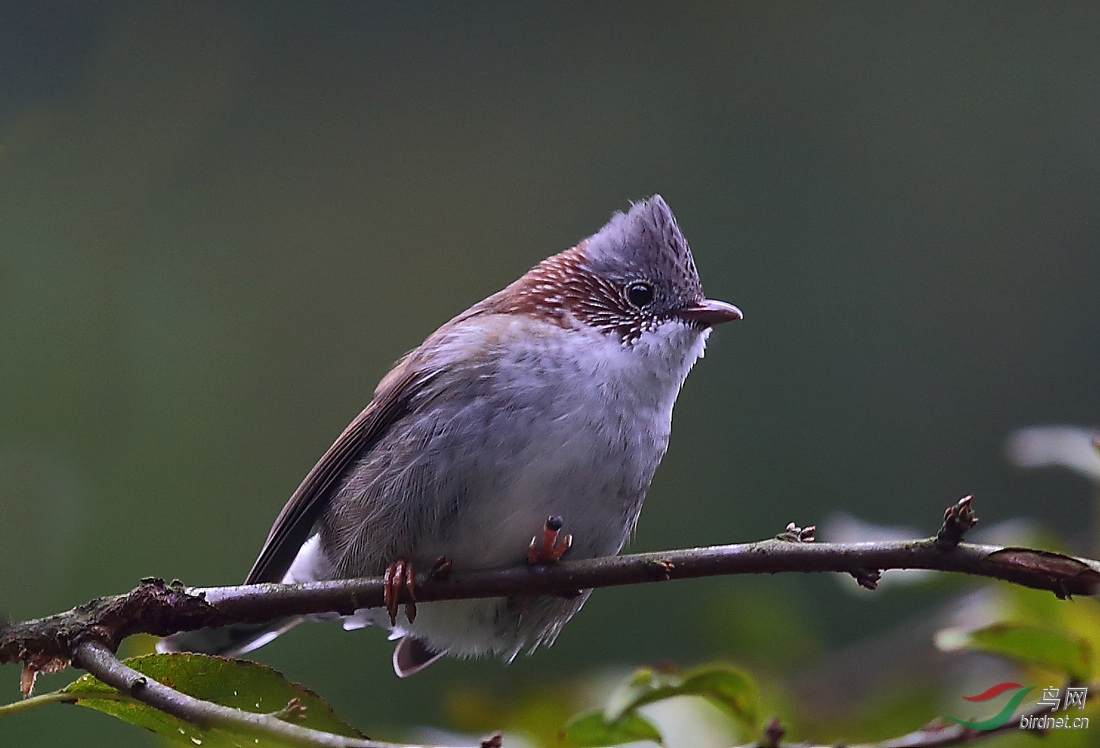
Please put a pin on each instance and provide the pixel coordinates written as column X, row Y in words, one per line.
column 551, row 546
column 399, row 575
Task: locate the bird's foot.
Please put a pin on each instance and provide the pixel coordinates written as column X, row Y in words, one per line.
column 399, row 575
column 551, row 546
column 441, row 569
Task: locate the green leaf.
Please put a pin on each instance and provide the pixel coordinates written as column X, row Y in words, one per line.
column 728, row 688
column 1060, row 651
column 592, row 730
column 248, row 686
column 638, row 689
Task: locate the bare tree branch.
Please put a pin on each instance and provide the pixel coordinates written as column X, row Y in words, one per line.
column 156, row 608
column 1063, row 575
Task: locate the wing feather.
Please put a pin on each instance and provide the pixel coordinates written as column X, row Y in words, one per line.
column 296, row 521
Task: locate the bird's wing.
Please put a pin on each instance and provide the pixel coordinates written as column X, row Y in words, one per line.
column 295, row 522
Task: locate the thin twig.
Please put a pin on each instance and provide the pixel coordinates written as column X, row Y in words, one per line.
column 100, row 661
column 53, row 697
column 937, row 734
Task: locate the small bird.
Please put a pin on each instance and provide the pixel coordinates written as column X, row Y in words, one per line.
column 547, row 404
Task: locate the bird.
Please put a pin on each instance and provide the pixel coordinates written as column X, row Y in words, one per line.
column 545, row 406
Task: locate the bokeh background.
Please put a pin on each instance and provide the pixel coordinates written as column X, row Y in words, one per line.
column 220, row 223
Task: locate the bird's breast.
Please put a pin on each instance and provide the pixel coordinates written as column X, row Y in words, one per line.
column 523, row 420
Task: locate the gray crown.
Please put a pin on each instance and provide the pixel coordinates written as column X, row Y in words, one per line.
column 645, row 243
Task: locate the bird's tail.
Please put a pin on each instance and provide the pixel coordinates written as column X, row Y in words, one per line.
column 309, row 565
column 230, row 641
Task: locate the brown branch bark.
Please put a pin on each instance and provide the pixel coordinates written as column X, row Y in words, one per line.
column 157, row 608
column 1060, row 574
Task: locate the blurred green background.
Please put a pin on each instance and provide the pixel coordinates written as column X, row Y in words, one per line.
column 220, row 223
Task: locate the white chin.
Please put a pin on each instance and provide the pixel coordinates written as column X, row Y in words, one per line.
column 673, row 346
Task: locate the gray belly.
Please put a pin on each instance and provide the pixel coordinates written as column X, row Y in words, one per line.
column 475, row 483
column 475, row 473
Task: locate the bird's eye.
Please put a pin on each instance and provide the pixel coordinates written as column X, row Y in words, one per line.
column 639, row 293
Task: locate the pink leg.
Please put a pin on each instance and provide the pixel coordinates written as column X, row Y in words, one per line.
column 551, row 546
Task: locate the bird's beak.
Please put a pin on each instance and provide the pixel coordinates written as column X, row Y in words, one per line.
column 710, row 312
